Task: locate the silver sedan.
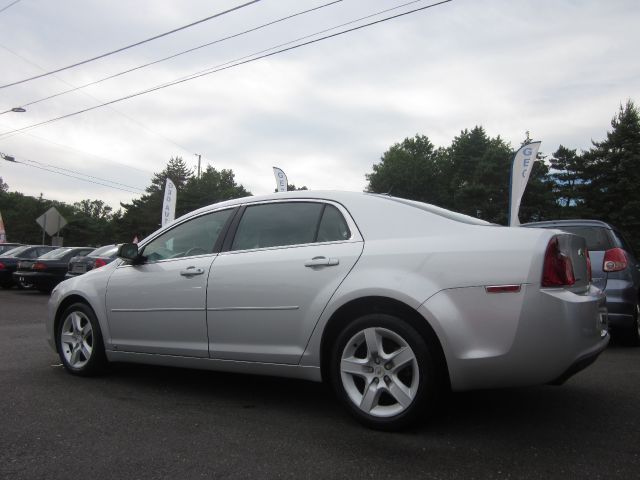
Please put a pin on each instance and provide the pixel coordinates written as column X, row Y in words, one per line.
column 390, row 301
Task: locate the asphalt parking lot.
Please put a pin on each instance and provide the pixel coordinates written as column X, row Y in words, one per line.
column 142, row 422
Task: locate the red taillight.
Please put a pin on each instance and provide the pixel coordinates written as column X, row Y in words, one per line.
column 557, row 270
column 39, row 266
column 99, row 263
column 614, row 260
column 589, row 275
column 2, row 267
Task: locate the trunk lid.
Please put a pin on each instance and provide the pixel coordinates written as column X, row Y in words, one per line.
column 575, row 248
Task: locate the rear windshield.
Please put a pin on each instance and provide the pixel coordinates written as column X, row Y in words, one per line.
column 15, row 251
column 55, row 254
column 105, row 251
column 597, row 238
column 442, row 212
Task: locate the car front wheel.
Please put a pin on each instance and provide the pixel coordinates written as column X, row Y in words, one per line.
column 383, row 371
column 79, row 341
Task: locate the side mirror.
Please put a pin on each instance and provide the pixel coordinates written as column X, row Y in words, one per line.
column 128, row 251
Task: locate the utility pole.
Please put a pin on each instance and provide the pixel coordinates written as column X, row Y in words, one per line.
column 199, row 157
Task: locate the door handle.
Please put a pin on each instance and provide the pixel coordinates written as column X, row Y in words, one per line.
column 321, row 262
column 191, row 271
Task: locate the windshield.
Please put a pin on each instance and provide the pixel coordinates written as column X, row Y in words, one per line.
column 55, row 254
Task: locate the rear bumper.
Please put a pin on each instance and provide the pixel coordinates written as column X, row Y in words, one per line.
column 39, row 279
column 6, row 276
column 622, row 298
column 533, row 337
column 580, row 364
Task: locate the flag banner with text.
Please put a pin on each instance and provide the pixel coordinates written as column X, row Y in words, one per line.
column 281, row 179
column 520, row 172
column 169, row 204
column 3, row 233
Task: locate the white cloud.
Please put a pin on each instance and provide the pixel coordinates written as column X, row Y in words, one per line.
column 324, row 113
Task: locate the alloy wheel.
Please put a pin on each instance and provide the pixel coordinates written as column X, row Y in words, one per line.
column 76, row 339
column 379, row 372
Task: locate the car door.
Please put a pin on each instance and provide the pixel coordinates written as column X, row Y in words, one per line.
column 158, row 306
column 273, row 279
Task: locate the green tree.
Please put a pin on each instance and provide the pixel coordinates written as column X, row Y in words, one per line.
column 292, row 188
column 479, row 175
column 143, row 215
column 213, row 186
column 90, row 223
column 411, row 169
column 612, row 169
column 540, row 200
column 19, row 213
column 95, row 209
column 3, row 186
column 470, row 176
column 568, row 179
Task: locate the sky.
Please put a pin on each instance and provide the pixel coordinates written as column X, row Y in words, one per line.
column 324, row 113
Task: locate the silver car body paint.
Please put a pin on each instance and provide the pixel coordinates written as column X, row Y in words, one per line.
column 262, row 311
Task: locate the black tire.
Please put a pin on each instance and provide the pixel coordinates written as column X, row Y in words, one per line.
column 6, row 285
column 86, row 358
column 632, row 335
column 384, row 376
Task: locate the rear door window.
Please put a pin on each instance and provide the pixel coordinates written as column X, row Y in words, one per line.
column 278, row 224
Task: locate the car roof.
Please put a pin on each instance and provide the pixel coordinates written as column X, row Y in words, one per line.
column 377, row 215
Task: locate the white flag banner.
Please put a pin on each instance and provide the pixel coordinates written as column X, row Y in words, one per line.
column 520, row 172
column 281, row 179
column 3, row 233
column 169, row 204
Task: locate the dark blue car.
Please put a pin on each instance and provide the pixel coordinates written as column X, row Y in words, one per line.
column 615, row 270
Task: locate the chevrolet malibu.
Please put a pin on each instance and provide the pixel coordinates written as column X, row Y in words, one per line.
column 392, row 302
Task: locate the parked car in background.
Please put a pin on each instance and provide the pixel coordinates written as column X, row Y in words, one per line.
column 50, row 269
column 615, row 270
column 390, row 301
column 9, row 261
column 98, row 258
column 5, row 247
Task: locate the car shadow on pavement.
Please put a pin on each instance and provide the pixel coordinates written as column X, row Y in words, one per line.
column 574, row 407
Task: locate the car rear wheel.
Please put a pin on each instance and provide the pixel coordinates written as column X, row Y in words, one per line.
column 79, row 341
column 383, row 372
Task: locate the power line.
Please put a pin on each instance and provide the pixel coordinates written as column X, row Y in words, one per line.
column 68, row 147
column 235, row 61
column 236, row 64
column 10, row 5
column 13, row 160
column 139, row 67
column 97, row 100
column 132, row 45
column 84, row 174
